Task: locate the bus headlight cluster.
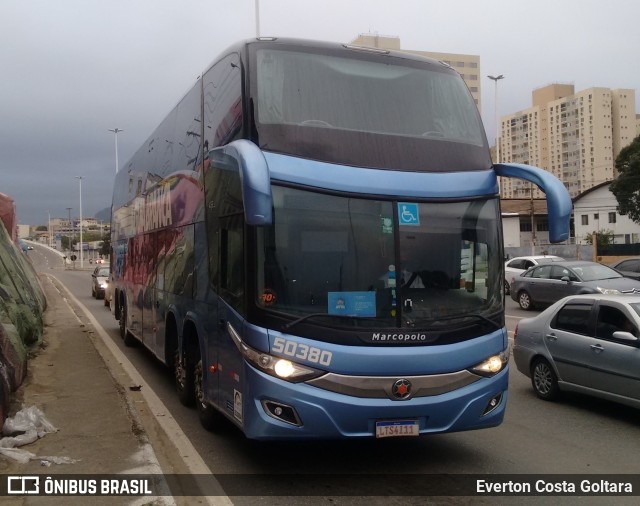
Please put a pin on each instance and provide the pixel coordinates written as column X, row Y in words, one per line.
column 272, row 365
column 492, row 365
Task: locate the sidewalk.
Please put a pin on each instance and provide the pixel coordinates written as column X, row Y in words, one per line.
column 84, row 392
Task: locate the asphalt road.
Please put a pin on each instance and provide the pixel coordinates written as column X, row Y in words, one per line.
column 577, row 435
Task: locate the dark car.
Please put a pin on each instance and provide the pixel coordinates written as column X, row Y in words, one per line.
column 585, row 343
column 548, row 283
column 629, row 267
column 516, row 266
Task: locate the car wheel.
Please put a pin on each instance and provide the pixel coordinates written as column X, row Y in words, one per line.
column 544, row 380
column 524, row 299
column 507, row 288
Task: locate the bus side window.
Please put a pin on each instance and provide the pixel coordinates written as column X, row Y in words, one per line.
column 232, row 261
column 225, row 222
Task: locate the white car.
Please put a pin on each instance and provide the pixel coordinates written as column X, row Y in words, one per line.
column 516, row 266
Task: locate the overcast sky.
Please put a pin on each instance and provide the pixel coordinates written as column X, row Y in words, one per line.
column 72, row 69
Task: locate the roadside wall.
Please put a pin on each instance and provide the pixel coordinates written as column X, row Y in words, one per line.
column 22, row 303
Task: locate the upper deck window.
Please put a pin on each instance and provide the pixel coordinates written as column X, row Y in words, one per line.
column 332, row 92
column 374, row 110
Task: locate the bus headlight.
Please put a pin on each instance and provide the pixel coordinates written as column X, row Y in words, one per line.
column 272, row 365
column 492, row 365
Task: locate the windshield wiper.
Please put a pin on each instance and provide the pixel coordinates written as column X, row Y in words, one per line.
column 295, row 322
column 469, row 315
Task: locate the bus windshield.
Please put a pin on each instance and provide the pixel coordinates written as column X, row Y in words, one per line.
column 342, row 105
column 385, row 264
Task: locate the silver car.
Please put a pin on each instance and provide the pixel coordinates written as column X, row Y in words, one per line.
column 546, row 284
column 584, row 343
column 99, row 280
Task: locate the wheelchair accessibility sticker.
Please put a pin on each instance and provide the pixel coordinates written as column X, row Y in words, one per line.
column 408, row 213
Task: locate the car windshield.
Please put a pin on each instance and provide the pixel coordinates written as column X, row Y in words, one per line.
column 103, row 272
column 548, row 260
column 595, row 272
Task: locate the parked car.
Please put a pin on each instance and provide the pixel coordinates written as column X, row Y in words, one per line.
column 99, row 280
column 629, row 268
column 583, row 343
column 548, row 283
column 516, row 266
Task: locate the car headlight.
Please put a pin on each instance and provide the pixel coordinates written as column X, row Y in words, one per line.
column 104, row 284
column 274, row 366
column 607, row 291
column 492, row 365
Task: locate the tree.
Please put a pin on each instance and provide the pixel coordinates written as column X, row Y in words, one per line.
column 105, row 248
column 603, row 237
column 626, row 187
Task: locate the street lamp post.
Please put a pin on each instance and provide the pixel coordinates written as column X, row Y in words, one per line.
column 495, row 79
column 70, row 229
column 257, row 10
column 79, row 178
column 115, row 131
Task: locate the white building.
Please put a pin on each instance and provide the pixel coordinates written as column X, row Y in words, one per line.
column 595, row 211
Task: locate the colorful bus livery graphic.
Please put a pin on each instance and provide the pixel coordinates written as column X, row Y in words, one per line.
column 311, row 240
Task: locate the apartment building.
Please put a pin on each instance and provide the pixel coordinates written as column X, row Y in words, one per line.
column 468, row 66
column 575, row 136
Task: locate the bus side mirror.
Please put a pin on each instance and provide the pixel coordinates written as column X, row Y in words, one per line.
column 255, row 180
column 559, row 203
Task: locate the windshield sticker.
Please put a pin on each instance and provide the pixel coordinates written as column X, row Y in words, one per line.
column 237, row 405
column 352, row 303
column 408, row 214
column 387, row 225
column 269, row 297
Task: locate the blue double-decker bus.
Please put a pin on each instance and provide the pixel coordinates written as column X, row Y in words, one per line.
column 312, row 241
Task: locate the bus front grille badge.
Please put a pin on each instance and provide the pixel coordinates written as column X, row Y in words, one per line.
column 401, row 389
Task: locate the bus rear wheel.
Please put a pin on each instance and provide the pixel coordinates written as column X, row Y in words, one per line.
column 184, row 373
column 208, row 415
column 127, row 337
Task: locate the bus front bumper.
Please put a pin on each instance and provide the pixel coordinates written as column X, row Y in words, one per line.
column 309, row 412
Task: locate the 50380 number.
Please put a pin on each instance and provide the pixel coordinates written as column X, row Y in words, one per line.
column 301, row 351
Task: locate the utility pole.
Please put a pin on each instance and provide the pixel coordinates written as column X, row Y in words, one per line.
column 115, row 131
column 495, row 79
column 79, row 178
column 533, row 224
column 257, row 10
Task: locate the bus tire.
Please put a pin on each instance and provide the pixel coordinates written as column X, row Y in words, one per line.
column 209, row 417
column 183, row 374
column 126, row 336
column 122, row 322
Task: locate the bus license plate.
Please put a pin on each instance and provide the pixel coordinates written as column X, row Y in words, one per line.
column 397, row 428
